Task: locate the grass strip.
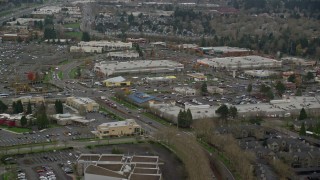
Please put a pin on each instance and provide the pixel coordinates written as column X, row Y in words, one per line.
column 125, row 103
column 15, row 129
column 112, row 114
column 156, row 118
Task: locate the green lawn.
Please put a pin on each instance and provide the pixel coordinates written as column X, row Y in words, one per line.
column 72, row 73
column 48, row 77
column 9, row 175
column 72, row 25
column 15, row 129
column 76, row 35
column 66, row 61
column 5, row 13
column 60, row 75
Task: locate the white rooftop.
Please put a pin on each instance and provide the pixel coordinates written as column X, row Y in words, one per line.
column 260, row 73
column 83, row 100
column 111, row 67
column 293, row 103
column 240, row 62
column 118, row 123
column 225, row 49
column 116, row 79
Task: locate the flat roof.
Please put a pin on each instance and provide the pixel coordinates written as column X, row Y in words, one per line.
column 82, row 100
column 145, row 159
column 240, row 62
column 145, row 177
column 293, row 103
column 92, row 169
column 141, row 165
column 118, row 123
column 145, row 171
column 260, row 73
column 138, row 65
column 198, row 111
column 225, row 49
column 116, row 79
column 117, row 158
column 89, row 157
column 105, row 44
column 112, row 167
column 141, row 97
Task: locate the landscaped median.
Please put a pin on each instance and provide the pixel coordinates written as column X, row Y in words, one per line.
column 15, row 129
column 114, row 141
column 156, row 118
column 125, row 103
column 114, row 116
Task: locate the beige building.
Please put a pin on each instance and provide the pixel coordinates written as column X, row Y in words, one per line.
column 86, row 49
column 32, row 99
column 83, row 104
column 121, row 128
column 116, row 82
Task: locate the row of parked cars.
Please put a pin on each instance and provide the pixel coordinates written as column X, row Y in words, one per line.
column 21, row 175
column 45, row 173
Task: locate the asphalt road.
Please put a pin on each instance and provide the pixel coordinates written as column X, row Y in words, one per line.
column 74, row 144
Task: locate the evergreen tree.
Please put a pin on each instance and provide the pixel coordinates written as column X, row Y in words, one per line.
column 14, row 108
column 29, row 108
column 204, row 89
column 249, row 88
column 131, row 18
column 3, row 107
column 85, row 37
column 58, row 107
column 184, row 118
column 138, row 49
column 223, row 111
column 298, row 92
column 49, row 33
column 61, row 107
column 302, row 131
column 280, row 87
column 309, row 76
column 233, row 111
column 19, row 106
column 292, row 78
column 41, row 117
column 23, row 121
column 303, row 114
column 189, row 118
